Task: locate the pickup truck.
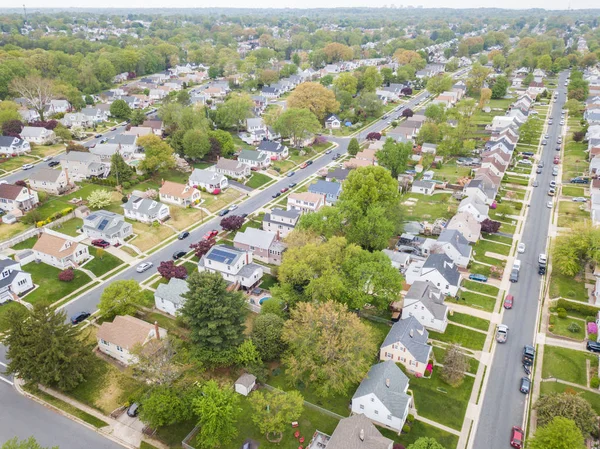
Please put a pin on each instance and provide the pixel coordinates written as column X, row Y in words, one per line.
column 528, row 355
column 502, row 333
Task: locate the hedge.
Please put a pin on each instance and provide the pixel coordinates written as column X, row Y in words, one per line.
column 584, row 309
column 54, row 216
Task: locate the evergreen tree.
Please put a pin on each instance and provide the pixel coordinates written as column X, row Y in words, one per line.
column 119, row 168
column 353, row 147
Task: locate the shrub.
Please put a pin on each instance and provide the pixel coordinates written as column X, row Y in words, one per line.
column 126, row 185
column 66, row 275
column 410, row 418
column 124, row 199
column 583, row 309
column 574, row 327
column 405, row 428
column 590, row 319
column 562, row 313
column 552, row 319
column 592, row 336
column 595, row 382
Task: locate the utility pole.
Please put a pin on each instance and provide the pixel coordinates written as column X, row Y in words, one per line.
column 25, row 13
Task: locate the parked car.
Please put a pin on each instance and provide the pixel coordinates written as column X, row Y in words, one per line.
column 516, row 437
column 556, row 160
column 502, row 333
column 100, row 243
column 53, row 163
column 178, row 254
column 26, row 166
column 551, row 192
column 276, row 194
column 544, row 142
column 521, row 248
column 593, row 346
column 549, row 204
column 210, row 234
column 580, row 180
column 285, row 189
column 223, row 212
column 304, row 165
column 292, row 185
column 541, row 164
column 97, row 136
column 133, row 410
column 328, row 151
column 336, row 156
column 514, row 275
column 536, row 183
column 244, row 216
column 290, row 174
column 144, row 266
column 580, row 199
column 538, row 170
column 525, row 385
column 527, row 153
column 309, row 162
column 508, row 301
column 76, row 319
column 183, row 235
column 478, row 277
column 553, row 184
column 525, row 162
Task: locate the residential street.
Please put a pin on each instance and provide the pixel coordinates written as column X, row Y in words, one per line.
column 503, row 405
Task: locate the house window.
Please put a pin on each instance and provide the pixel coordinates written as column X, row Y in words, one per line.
column 377, row 412
column 389, row 417
column 372, row 399
column 119, row 349
column 104, row 342
column 362, row 407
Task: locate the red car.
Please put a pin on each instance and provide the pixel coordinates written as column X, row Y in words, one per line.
column 285, row 189
column 100, row 243
column 516, row 437
column 304, row 165
column 210, row 234
column 557, row 160
column 508, row 301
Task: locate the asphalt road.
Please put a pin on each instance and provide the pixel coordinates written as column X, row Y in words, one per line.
column 503, row 404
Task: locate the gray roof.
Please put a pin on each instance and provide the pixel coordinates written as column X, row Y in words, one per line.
column 205, row 176
column 124, row 139
column 105, row 149
column 80, row 156
column 339, row 174
column 10, row 278
column 388, row 383
column 286, row 213
column 429, row 295
column 144, row 206
column 477, row 204
column 252, row 122
column 412, row 335
column 424, row 184
column 255, row 237
column 456, row 239
column 45, row 175
column 396, row 256
column 230, row 165
column 104, row 221
column 248, row 269
column 332, row 117
column 7, row 141
column 444, row 265
column 347, row 435
column 271, row 146
column 247, row 380
column 252, row 155
column 173, row 291
column 5, row 263
column 32, row 131
column 91, row 112
column 328, row 188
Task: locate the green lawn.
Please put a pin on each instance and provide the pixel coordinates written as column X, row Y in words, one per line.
column 70, row 227
column 469, row 320
column 451, row 172
column 570, row 213
column 4, row 309
column 566, row 364
column 480, row 287
column 498, row 238
column 173, row 435
column 26, row 244
column 420, row 429
column 258, row 180
column 268, row 281
column 103, row 263
column 440, row 353
column 58, row 203
column 484, row 246
column 475, row 300
column 460, row 335
column 572, row 191
column 50, row 288
column 428, row 207
column 560, row 326
column 568, row 287
column 555, row 387
column 170, row 324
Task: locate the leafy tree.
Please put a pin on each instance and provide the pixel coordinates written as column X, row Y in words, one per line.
column 12, row 128
column 394, row 156
column 490, row 226
column 353, row 147
column 266, row 335
column 161, row 366
column 406, row 91
column 44, row 348
column 215, row 315
column 234, row 111
column 225, row 141
column 373, row 136
column 202, row 247
column 159, row 155
column 346, row 82
column 272, row 411
column 455, row 366
column 326, row 80
column 560, row 433
column 120, row 110
column 430, row 133
column 168, row 270
column 120, row 298
column 232, row 222
column 137, row 117
column 499, row 62
column 36, row 90
column 340, row 349
column 297, row 124
column 476, row 79
column 484, row 97
column 371, row 79
column 573, row 106
column 183, row 97
column 368, row 104
column 407, row 113
column 439, row 83
column 578, row 88
column 9, row 111
column 165, row 406
column 337, row 52
column 196, row 144
column 425, row 443
column 120, row 169
column 403, row 56
column 314, row 97
column 274, row 306
column 29, row 443
column 63, row 134
column 66, row 275
column 578, row 136
column 435, row 113
column 567, row 405
column 218, row 410
column 500, row 87
column 99, row 199
column 528, row 131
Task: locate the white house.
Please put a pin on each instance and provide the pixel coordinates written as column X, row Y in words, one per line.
column 305, row 202
column 145, row 210
column 280, row 221
column 399, row 259
column 424, row 187
column 406, row 343
column 468, row 226
column 475, row 207
column 452, row 243
column 245, row 384
column 274, row 150
column 38, row 135
column 425, row 302
column 208, row 180
column 254, row 159
column 439, row 270
column 82, row 166
column 231, row 168
column 333, row 122
column 13, row 145
column 233, row 264
column 179, row 194
column 382, row 396
column 105, row 225
column 13, row 280
column 119, row 338
column 17, row 198
column 169, row 298
column 59, row 252
column 52, row 181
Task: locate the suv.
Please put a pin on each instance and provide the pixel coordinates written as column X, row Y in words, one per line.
column 528, row 355
column 514, row 275
column 525, row 385
column 478, row 277
column 593, row 346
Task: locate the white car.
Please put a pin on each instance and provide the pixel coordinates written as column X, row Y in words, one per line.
column 521, row 248
column 26, row 166
column 580, row 199
column 562, row 122
column 549, row 204
column 144, row 266
column 525, row 162
column 233, row 207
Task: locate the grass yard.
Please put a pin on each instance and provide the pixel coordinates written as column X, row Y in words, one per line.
column 182, row 218
column 8, row 231
column 420, row 429
column 560, row 326
column 283, row 166
column 70, row 227
column 380, row 330
column 570, row 213
column 42, row 151
column 420, row 207
column 268, row 281
column 4, row 310
column 443, row 403
column 555, row 387
column 468, row 320
column 170, row 324
column 480, row 287
column 57, row 203
column 475, row 300
column 440, row 353
column 258, row 180
column 566, row 364
column 218, row 202
column 26, row 244
column 102, row 263
column 477, row 268
column 568, row 287
column 149, row 236
column 465, row 337
column 498, row 238
column 15, row 162
column 574, row 161
column 483, row 246
column 451, row 172
column 144, row 445
column 572, row 191
column 50, row 288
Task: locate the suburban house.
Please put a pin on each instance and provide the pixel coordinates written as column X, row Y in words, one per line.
column 305, row 202
column 270, row 92
column 208, row 180
column 280, row 221
column 231, row 168
column 274, row 150
column 58, row 106
column 37, row 135
column 119, row 338
column 234, row 265
column 382, row 396
column 13, row 145
column 406, row 343
column 254, row 159
column 328, row 189
column 145, row 210
column 179, row 194
column 138, row 131
column 483, row 189
column 254, row 125
column 13, row 280
column 15, row 198
column 156, row 125
column 423, row 187
column 82, row 166
column 439, row 269
column 467, row 225
column 400, row 260
column 49, row 180
column 475, row 207
column 339, row 174
column 354, row 432
column 105, row 225
column 169, row 298
column 425, row 302
column 76, row 119
column 59, row 252
column 127, row 143
column 333, row 122
column 105, row 151
column 95, row 114
column 265, row 246
column 452, row 243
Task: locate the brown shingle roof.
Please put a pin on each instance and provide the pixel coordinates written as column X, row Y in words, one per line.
column 55, row 246
column 177, row 190
column 126, row 331
column 10, row 191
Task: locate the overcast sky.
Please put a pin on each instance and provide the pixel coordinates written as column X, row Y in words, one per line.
column 509, row 4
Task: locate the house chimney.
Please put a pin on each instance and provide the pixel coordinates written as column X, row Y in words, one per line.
column 361, row 435
column 156, row 330
column 247, row 257
column 67, row 175
column 387, row 383
column 411, row 333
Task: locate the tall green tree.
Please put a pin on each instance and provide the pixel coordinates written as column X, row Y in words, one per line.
column 196, row 144
column 44, row 348
column 439, row 83
column 297, row 124
column 314, row 97
column 120, row 169
column 159, row 155
column 425, row 443
column 500, row 87
column 234, row 111
column 216, row 316
column 435, row 112
column 346, row 82
column 370, row 80
column 120, row 110
column 394, row 156
column 353, row 147
column 272, row 411
column 567, row 405
column 560, row 433
column 225, row 142
column 137, row 117
column 218, row 411
column 266, row 335
column 165, row 406
column 120, row 298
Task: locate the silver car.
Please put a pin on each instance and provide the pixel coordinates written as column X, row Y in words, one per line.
column 144, row 266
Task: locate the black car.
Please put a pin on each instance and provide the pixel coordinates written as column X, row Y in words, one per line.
column 53, row 163
column 133, row 410
column 223, row 212
column 244, row 216
column 276, row 194
column 593, row 346
column 183, row 235
column 292, row 185
column 525, row 385
column 76, row 319
column 309, row 162
column 178, row 254
column 336, row 156
column 98, row 135
column 542, row 270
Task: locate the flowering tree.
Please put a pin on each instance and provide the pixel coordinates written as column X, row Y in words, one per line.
column 202, row 247
column 66, row 275
column 169, row 270
column 232, row 222
column 374, row 136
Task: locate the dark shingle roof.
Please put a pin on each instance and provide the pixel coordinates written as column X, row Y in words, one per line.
column 412, row 335
column 388, row 383
column 444, row 265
